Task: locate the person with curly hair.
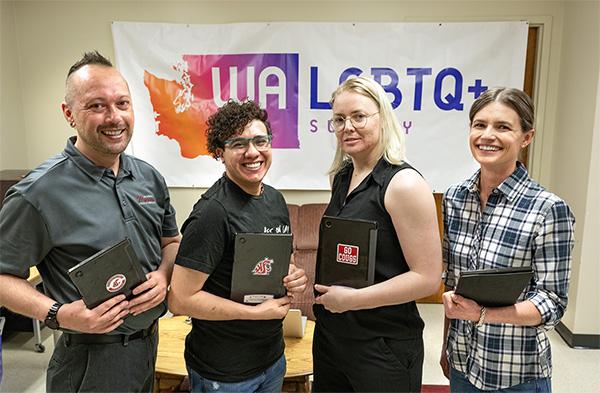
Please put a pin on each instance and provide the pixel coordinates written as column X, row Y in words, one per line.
column 239, row 135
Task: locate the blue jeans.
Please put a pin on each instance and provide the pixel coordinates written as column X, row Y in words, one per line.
column 460, row 384
column 268, row 381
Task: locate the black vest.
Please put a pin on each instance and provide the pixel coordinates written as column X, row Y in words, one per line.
column 366, row 202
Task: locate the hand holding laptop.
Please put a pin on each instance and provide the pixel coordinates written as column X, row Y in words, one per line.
column 295, row 281
column 104, row 318
column 485, row 288
column 334, row 298
column 272, row 308
column 104, row 281
column 150, row 293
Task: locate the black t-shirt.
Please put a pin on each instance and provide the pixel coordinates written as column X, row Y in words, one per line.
column 230, row 351
column 366, row 201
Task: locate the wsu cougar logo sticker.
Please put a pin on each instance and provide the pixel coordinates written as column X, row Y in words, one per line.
column 263, row 268
column 115, row 283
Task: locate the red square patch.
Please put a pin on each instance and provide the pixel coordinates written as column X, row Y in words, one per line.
column 347, row 254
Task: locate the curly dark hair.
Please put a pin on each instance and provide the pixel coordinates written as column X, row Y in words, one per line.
column 231, row 119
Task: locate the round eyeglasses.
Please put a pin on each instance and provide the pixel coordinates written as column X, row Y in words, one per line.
column 358, row 121
column 260, row 142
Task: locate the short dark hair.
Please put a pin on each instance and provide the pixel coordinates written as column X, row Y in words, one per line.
column 90, row 58
column 231, row 119
column 516, row 99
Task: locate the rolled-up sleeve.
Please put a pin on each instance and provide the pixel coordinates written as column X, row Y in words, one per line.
column 552, row 264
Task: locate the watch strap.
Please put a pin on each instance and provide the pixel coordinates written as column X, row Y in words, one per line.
column 51, row 320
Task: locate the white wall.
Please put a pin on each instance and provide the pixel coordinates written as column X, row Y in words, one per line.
column 41, row 39
column 12, row 132
column 574, row 161
column 583, row 314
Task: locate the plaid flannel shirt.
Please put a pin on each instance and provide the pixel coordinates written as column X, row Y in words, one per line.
column 522, row 225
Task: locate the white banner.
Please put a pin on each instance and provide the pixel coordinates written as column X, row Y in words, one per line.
column 180, row 74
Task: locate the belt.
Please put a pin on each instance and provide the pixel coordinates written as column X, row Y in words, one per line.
column 71, row 339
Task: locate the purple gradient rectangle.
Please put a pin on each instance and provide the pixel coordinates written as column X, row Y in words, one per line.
column 268, row 71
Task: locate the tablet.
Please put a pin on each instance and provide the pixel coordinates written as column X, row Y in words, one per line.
column 110, row 272
column 260, row 262
column 494, row 287
column 346, row 252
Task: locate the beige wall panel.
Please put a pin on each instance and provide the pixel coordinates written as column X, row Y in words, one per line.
column 586, row 318
column 572, row 172
column 12, row 133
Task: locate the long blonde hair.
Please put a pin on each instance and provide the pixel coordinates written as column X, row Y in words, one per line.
column 391, row 144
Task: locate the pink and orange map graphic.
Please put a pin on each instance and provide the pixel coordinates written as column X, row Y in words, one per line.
column 181, row 107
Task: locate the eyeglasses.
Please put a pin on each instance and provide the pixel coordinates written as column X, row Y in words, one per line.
column 358, row 120
column 260, row 142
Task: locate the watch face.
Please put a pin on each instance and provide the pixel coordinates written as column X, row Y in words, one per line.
column 52, row 323
column 51, row 320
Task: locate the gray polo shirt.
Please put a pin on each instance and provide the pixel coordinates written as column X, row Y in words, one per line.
column 67, row 209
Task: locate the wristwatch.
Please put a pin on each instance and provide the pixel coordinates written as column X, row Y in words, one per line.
column 51, row 320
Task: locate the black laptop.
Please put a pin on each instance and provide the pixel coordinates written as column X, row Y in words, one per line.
column 494, row 287
column 112, row 271
column 260, row 262
column 346, row 252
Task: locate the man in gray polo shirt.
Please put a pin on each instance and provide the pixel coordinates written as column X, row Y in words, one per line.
column 78, row 202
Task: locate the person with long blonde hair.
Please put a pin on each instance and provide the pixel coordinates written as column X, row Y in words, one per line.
column 370, row 339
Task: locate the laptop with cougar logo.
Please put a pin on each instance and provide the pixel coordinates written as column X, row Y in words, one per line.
column 260, row 262
column 110, row 272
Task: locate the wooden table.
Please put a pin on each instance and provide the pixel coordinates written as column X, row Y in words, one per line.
column 34, row 276
column 170, row 364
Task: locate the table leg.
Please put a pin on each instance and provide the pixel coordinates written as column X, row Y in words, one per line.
column 169, row 383
column 37, row 334
column 296, row 384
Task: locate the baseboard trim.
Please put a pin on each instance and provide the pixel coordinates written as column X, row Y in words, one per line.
column 579, row 341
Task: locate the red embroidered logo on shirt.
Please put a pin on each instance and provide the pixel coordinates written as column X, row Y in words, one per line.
column 116, row 282
column 145, row 199
column 263, row 268
column 347, row 254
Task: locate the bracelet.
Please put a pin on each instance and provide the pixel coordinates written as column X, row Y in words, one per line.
column 481, row 317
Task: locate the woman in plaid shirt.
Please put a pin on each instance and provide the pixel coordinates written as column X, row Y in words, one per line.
column 498, row 218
